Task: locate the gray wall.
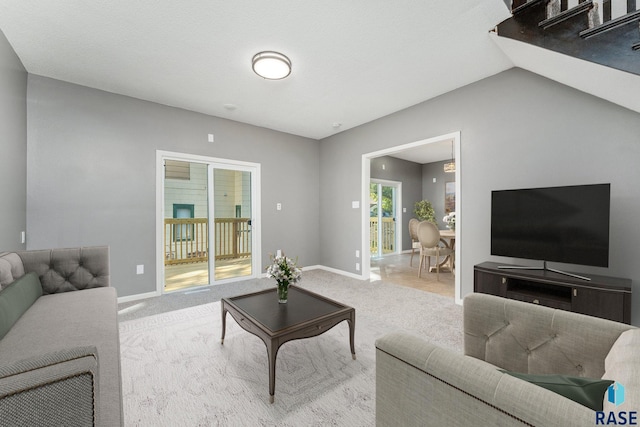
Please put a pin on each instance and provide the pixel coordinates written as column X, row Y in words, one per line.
column 434, row 191
column 13, row 160
column 410, row 174
column 517, row 130
column 92, row 175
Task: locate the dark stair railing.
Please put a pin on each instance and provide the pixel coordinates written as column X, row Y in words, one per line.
column 606, row 32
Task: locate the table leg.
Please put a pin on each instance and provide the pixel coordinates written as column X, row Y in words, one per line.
column 445, row 260
column 352, row 331
column 272, row 352
column 224, row 323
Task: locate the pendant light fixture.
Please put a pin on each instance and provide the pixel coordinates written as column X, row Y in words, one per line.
column 450, row 166
column 271, row 65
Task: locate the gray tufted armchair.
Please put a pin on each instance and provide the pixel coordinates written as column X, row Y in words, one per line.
column 419, row 383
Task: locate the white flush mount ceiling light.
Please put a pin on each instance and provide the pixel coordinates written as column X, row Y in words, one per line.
column 271, row 65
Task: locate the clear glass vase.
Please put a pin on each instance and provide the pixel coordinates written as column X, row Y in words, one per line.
column 283, row 292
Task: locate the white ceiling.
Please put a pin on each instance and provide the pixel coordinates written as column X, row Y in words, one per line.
column 427, row 153
column 353, row 61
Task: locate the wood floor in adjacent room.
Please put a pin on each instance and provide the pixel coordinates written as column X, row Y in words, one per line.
column 397, row 269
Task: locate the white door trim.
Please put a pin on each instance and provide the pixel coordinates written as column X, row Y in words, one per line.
column 256, row 256
column 364, row 203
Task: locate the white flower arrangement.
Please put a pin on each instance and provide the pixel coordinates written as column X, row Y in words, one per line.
column 284, row 270
column 450, row 219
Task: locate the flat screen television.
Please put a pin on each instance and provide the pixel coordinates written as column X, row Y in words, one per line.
column 559, row 224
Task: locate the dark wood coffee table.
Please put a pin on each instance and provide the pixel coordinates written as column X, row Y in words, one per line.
column 306, row 315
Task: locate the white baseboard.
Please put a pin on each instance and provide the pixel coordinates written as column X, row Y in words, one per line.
column 137, row 297
column 335, row 270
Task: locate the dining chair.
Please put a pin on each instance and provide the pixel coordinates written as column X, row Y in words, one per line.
column 429, row 237
column 413, row 233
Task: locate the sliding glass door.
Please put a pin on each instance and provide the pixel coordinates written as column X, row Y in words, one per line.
column 231, row 232
column 383, row 217
column 210, row 213
column 186, row 224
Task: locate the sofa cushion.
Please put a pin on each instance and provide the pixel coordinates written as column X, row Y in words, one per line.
column 585, row 391
column 524, row 337
column 11, row 268
column 74, row 319
column 71, row 269
column 16, row 298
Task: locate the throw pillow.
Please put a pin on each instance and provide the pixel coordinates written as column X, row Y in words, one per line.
column 585, row 391
column 16, row 298
column 10, row 268
column 5, row 273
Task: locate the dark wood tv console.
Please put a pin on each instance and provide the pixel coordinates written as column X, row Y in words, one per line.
column 606, row 297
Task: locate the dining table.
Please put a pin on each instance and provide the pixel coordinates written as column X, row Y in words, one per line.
column 448, row 238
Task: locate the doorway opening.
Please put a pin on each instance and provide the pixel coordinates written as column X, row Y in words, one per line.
column 207, row 221
column 452, row 184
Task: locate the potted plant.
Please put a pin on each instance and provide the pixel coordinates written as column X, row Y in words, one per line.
column 424, row 211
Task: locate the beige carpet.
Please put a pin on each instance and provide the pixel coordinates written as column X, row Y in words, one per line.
column 176, row 373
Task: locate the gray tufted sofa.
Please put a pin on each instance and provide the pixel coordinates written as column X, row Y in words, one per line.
column 60, row 355
column 421, row 384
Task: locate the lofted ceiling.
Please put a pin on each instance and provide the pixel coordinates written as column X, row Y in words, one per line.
column 353, row 61
column 619, row 87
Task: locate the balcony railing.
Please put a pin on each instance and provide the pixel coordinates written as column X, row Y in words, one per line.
column 233, row 238
column 388, row 235
column 187, row 240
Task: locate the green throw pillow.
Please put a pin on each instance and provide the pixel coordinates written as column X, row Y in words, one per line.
column 586, row 391
column 16, row 298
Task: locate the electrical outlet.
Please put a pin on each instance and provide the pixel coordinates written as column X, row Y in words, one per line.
column 357, row 266
column 210, row 137
column 357, row 253
column 278, row 206
column 279, row 252
column 140, row 269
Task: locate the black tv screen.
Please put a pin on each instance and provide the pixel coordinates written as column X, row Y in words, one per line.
column 561, row 224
